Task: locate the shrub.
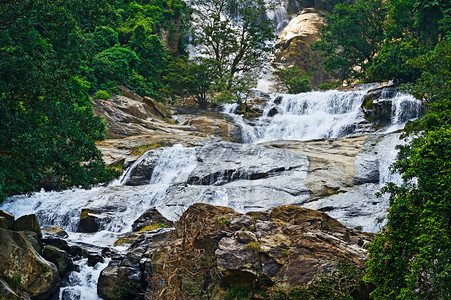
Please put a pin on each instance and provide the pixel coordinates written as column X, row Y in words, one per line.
column 102, row 95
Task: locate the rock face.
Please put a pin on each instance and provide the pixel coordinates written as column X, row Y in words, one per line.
column 213, row 248
column 249, row 177
column 380, row 109
column 136, row 122
column 24, row 267
column 293, row 46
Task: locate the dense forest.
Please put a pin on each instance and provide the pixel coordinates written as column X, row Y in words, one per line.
column 56, row 54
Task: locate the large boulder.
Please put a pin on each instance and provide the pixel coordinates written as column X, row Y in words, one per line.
column 294, row 45
column 214, row 248
column 24, row 268
column 60, row 258
column 28, row 223
column 6, row 220
column 150, row 217
column 92, row 221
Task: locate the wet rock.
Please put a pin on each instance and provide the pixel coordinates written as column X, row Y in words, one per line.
column 92, row 221
column 78, row 252
column 272, row 112
column 57, row 242
column 225, row 162
column 20, row 263
column 94, row 259
column 367, row 168
column 28, row 223
column 6, row 220
column 55, row 231
column 151, row 216
column 142, row 173
column 119, row 282
column 60, row 258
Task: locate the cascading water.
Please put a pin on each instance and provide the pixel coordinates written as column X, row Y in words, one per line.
column 120, row 204
column 318, row 115
column 244, row 177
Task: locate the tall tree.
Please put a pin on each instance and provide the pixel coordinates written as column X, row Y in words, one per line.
column 352, row 37
column 411, row 256
column 48, row 130
column 233, row 37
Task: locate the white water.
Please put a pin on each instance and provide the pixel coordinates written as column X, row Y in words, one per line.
column 319, row 115
column 305, row 116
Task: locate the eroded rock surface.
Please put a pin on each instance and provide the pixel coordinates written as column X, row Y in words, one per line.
column 213, row 248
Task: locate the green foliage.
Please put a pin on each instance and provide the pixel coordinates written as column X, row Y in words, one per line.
column 114, row 66
column 253, row 246
column 238, row 293
column 104, row 37
column 127, row 286
column 292, row 80
column 410, row 257
column 102, row 95
column 188, row 79
column 327, row 86
column 232, row 38
column 154, row 226
column 352, row 37
column 48, row 130
column 343, row 284
column 378, row 40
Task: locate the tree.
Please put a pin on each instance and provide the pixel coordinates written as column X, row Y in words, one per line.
column 411, row 257
column 189, row 79
column 48, row 130
column 232, row 37
column 352, row 37
column 292, row 80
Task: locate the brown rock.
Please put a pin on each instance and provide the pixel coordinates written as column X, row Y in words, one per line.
column 21, row 264
column 28, row 223
column 6, row 220
column 55, row 231
column 283, row 248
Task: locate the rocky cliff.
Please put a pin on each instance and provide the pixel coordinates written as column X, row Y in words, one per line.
column 214, row 249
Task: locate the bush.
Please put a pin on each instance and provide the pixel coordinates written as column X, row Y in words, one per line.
column 102, row 95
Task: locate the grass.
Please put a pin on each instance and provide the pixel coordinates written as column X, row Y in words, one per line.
column 140, row 150
column 253, row 246
column 154, row 226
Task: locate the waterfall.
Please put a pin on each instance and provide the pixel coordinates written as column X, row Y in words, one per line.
column 318, row 115
column 244, row 177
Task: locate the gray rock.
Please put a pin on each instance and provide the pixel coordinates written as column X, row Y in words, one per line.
column 92, row 221
column 367, row 168
column 94, row 259
column 245, row 237
column 151, row 216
